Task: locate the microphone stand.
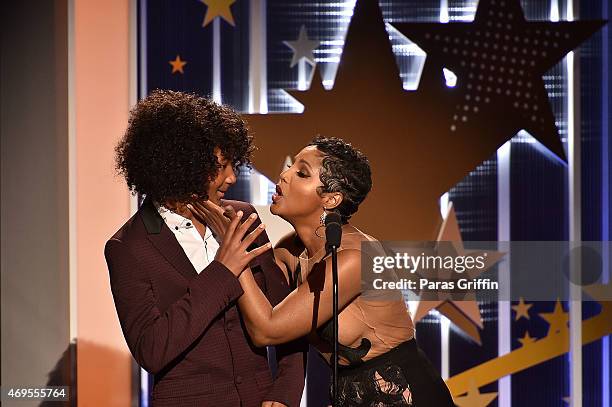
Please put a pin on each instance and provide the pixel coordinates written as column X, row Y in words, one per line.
column 333, row 237
column 334, row 253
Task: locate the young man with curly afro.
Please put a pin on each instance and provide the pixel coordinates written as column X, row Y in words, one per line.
column 172, row 275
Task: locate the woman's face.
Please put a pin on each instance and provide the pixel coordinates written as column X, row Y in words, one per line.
column 296, row 192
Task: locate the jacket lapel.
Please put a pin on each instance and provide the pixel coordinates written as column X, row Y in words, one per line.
column 164, row 240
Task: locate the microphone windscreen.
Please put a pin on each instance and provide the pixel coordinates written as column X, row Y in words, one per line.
column 333, row 230
column 333, row 217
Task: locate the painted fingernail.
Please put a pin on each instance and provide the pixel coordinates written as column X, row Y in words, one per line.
column 189, row 206
column 253, row 216
column 239, row 214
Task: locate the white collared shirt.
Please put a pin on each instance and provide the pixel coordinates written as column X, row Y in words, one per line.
column 199, row 251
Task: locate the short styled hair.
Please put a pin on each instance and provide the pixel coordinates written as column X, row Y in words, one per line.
column 167, row 151
column 346, row 170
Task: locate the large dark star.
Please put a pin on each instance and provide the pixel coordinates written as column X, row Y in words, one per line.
column 420, row 144
column 499, row 60
column 369, row 107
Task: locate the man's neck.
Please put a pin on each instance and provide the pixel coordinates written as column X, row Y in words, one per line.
column 186, row 213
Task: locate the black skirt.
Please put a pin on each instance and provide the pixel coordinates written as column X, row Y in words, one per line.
column 401, row 377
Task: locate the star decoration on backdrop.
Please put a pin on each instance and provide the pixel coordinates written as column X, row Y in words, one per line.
column 218, row 8
column 474, row 398
column 369, row 106
column 407, row 135
column 554, row 344
column 499, row 60
column 302, row 48
column 557, row 320
column 526, row 340
column 177, row 64
column 521, row 309
column 464, row 313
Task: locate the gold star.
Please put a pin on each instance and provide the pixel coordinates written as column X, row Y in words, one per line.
column 526, row 340
column 218, row 8
column 464, row 313
column 544, row 349
column 474, row 398
column 522, row 309
column 177, row 64
column 557, row 319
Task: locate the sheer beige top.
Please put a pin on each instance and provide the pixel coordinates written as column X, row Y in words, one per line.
column 382, row 319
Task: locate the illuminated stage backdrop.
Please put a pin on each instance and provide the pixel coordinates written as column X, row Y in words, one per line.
column 422, row 100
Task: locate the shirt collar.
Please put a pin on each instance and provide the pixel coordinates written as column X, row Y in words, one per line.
column 176, row 221
column 173, row 219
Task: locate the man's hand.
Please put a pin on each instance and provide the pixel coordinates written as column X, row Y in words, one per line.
column 272, row 404
column 232, row 252
column 213, row 216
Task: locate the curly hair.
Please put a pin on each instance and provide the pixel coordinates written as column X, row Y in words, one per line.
column 346, row 170
column 167, row 151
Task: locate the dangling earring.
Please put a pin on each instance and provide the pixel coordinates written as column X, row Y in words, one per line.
column 321, row 223
column 323, row 217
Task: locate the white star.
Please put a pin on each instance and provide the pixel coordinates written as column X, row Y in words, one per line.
column 302, row 47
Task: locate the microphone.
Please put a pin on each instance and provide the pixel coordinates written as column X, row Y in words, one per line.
column 333, row 230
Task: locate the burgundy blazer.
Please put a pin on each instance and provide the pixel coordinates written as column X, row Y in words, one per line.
column 185, row 328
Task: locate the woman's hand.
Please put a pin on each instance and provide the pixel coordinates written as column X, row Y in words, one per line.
column 232, row 252
column 213, row 216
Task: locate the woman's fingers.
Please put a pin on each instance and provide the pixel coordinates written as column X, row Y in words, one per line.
column 250, row 238
column 198, row 212
column 215, row 216
column 223, row 214
column 213, row 212
column 229, row 212
column 256, row 252
column 202, row 212
column 202, row 207
column 211, row 207
column 242, row 229
column 232, row 227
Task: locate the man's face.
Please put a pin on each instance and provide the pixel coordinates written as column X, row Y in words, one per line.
column 224, row 179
